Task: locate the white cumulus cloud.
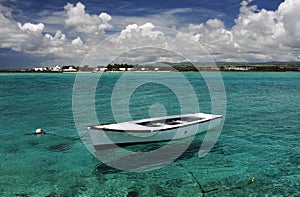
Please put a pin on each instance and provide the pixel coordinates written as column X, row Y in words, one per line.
column 77, row 41
column 269, row 33
column 18, row 37
column 78, row 18
column 289, row 15
column 258, row 35
column 29, row 27
column 134, row 31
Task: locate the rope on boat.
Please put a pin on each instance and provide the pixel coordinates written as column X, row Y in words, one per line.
column 251, row 181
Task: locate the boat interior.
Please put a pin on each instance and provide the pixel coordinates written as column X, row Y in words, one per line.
column 169, row 121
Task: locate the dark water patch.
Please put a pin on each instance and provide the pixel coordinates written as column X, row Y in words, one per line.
column 23, row 195
column 161, row 191
column 193, row 149
column 176, row 183
column 75, row 189
column 49, row 171
column 48, row 161
column 12, row 150
column 52, row 194
column 221, row 149
column 295, row 159
column 145, row 147
column 101, row 179
column 78, row 187
column 4, row 107
column 60, row 147
column 102, row 169
column 132, row 193
column 33, row 142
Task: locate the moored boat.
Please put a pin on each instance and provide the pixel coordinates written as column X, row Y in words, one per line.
column 152, row 129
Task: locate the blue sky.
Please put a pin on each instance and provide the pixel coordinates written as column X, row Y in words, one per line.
column 200, row 10
column 41, row 33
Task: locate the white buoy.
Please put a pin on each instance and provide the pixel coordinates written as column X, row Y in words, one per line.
column 39, row 131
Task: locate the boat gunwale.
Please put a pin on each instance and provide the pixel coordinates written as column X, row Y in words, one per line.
column 171, row 127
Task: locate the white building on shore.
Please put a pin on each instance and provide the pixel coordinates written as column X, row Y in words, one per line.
column 70, row 69
column 55, row 69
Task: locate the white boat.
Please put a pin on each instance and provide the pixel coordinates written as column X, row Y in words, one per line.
column 152, row 129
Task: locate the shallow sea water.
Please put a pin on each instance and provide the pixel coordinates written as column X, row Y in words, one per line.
column 260, row 138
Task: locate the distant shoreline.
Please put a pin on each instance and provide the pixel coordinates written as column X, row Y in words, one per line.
column 122, row 68
column 22, row 72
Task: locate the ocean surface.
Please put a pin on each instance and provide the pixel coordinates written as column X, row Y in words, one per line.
column 259, row 140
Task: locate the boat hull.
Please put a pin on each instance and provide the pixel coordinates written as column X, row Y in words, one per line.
column 104, row 139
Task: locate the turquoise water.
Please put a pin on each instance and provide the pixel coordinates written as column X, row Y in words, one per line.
column 260, row 139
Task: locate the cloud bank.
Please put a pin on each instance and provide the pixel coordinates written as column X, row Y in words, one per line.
column 257, row 35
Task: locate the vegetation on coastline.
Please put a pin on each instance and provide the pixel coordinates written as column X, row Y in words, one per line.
column 181, row 67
